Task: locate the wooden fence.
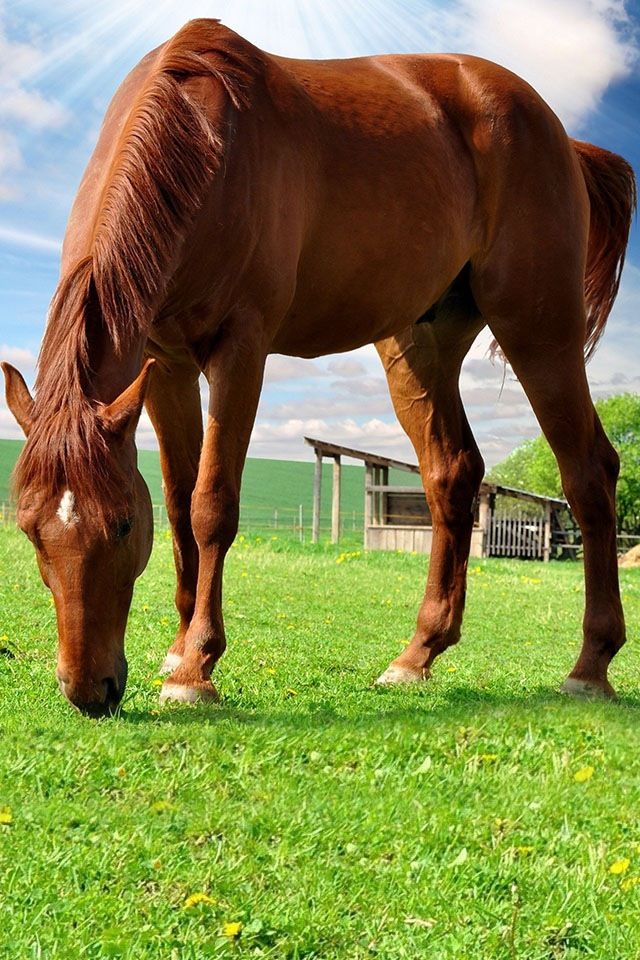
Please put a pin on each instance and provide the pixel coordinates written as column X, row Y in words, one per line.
column 516, row 537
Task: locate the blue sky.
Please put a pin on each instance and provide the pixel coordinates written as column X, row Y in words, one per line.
column 59, row 67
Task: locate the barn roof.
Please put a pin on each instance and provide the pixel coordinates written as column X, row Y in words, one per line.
column 326, row 449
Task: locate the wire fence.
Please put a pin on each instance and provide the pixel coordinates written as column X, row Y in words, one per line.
column 292, row 522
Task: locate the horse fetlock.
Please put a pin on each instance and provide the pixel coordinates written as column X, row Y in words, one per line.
column 201, row 691
column 396, row 674
column 588, row 689
column 170, row 663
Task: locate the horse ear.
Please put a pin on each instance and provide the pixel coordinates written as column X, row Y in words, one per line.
column 121, row 417
column 19, row 400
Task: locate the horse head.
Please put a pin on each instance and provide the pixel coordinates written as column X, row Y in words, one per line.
column 89, row 553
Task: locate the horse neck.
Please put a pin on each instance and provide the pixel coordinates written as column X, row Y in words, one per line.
column 115, row 370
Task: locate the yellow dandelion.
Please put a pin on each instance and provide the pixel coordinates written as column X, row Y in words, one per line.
column 488, row 757
column 451, row 669
column 157, row 682
column 121, row 772
column 583, row 774
column 629, row 883
column 232, row 930
column 6, row 817
column 195, row 899
column 620, row 866
column 524, row 851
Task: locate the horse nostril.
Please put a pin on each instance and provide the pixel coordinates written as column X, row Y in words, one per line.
column 113, row 694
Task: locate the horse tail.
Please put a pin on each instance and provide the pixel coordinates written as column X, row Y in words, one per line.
column 611, row 186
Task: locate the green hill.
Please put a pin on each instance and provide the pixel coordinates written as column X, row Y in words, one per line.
column 267, row 486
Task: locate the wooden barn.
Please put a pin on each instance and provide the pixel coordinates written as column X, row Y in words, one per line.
column 508, row 522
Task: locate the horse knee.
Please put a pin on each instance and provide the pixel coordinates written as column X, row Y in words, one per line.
column 453, row 487
column 215, row 516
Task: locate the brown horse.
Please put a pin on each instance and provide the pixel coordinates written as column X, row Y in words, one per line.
column 239, row 204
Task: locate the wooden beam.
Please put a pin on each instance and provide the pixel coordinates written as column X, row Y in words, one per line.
column 335, row 450
column 335, row 501
column 317, row 490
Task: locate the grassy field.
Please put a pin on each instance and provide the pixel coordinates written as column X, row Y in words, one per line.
column 310, row 815
column 267, row 485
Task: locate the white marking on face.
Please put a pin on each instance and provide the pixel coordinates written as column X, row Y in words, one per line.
column 66, row 510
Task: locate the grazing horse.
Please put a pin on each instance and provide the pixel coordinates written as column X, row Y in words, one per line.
column 239, row 204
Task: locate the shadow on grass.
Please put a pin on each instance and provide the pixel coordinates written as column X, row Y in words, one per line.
column 373, row 708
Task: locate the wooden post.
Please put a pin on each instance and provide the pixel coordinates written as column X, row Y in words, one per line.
column 317, row 487
column 368, row 480
column 383, row 496
column 484, row 520
column 376, row 497
column 335, row 502
column 546, row 555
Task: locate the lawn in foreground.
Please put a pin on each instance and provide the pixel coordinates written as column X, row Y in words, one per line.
column 311, row 815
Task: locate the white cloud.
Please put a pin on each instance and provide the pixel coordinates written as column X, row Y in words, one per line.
column 286, row 439
column 21, row 106
column 32, row 241
column 280, row 368
column 347, row 367
column 363, row 386
column 569, row 50
column 25, row 360
column 10, row 161
column 31, row 108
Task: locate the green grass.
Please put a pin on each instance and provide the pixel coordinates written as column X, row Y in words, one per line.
column 331, row 819
column 267, row 485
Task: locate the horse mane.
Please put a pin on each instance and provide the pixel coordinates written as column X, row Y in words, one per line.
column 167, row 156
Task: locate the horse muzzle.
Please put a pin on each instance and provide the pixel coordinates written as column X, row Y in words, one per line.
column 94, row 698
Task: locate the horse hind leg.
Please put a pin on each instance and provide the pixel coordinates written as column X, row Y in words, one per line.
column 423, row 367
column 542, row 336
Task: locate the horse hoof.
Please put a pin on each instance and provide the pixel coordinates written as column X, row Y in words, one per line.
column 201, row 692
column 587, row 690
column 395, row 675
column 169, row 664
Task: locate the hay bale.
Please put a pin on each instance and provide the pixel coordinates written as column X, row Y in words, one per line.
column 631, row 558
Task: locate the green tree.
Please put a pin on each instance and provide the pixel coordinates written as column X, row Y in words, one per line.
column 533, row 467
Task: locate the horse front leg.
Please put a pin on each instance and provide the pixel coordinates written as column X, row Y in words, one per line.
column 173, row 405
column 235, row 373
column 422, row 369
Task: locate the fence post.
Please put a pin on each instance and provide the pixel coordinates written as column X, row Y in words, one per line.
column 546, row 554
column 317, row 488
column 301, row 524
column 335, row 501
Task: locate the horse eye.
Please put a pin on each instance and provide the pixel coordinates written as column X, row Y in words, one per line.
column 123, row 528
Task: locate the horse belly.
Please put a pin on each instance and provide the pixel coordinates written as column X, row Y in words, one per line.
column 369, row 270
